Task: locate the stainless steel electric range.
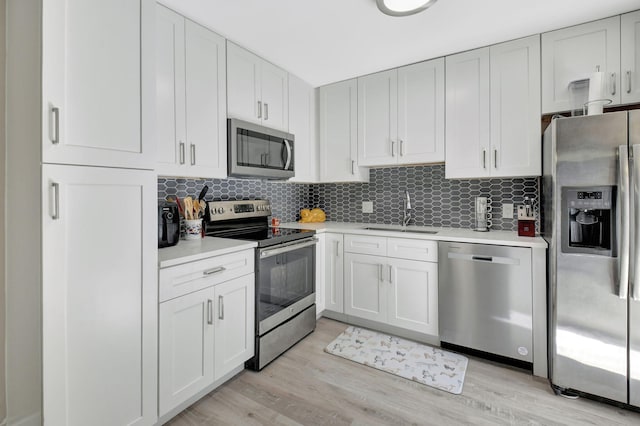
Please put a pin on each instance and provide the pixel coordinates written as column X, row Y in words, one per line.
column 285, row 274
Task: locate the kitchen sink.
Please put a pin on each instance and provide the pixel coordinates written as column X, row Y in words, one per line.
column 400, row 229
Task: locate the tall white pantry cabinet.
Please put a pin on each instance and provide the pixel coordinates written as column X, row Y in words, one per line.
column 81, row 190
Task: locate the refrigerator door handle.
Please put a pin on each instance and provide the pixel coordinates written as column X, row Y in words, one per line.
column 623, row 231
column 635, row 188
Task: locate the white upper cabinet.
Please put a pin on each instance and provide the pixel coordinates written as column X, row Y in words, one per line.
column 401, row 115
column 190, row 98
column 378, row 118
column 421, row 112
column 574, row 53
column 257, row 89
column 515, row 108
column 493, row 111
column 97, row 107
column 338, row 113
column 302, row 124
column 468, row 114
column 630, row 57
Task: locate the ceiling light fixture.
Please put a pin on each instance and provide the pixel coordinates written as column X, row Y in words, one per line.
column 403, row 7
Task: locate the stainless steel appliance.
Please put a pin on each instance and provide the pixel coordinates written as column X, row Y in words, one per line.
column 591, row 210
column 258, row 151
column 485, row 299
column 285, row 274
column 168, row 224
column 482, row 216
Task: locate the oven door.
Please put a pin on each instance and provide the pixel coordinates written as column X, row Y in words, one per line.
column 285, row 282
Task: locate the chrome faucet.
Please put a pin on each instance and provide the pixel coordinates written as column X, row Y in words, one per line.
column 406, row 202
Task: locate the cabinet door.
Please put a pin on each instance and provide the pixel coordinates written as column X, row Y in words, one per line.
column 630, row 57
column 99, row 296
column 467, row 107
column 185, row 348
column 573, row 54
column 302, row 111
column 170, row 92
column 243, row 84
column 334, row 272
column 378, row 119
column 96, row 108
column 515, row 108
column 338, row 133
column 365, row 295
column 421, row 112
column 413, row 296
column 275, row 96
column 206, row 115
column 234, row 323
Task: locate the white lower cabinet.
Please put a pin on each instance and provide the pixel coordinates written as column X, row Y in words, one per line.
column 185, row 347
column 333, row 268
column 234, row 324
column 207, row 333
column 401, row 291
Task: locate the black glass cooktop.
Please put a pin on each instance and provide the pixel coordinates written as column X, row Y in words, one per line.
column 264, row 236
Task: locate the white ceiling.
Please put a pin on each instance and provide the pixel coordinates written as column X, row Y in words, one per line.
column 325, row 41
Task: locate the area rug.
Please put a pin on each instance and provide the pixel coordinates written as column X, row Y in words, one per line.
column 424, row 364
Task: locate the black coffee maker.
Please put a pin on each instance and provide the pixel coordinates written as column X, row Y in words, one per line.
column 168, row 224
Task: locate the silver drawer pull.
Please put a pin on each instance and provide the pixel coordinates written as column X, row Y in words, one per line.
column 483, row 258
column 221, row 307
column 214, row 270
column 55, row 112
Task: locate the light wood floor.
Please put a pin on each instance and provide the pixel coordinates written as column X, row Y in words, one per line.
column 307, row 386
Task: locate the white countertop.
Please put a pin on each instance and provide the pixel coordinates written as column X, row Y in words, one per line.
column 501, row 238
column 189, row 251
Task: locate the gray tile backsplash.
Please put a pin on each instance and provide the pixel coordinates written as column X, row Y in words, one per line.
column 436, row 201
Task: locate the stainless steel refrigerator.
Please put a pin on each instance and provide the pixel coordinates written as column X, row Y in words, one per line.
column 591, row 208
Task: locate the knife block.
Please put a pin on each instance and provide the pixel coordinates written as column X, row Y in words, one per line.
column 526, row 223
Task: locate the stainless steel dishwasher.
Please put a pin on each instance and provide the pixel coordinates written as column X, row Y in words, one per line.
column 485, row 298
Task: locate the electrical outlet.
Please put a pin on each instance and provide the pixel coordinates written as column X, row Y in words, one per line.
column 367, row 207
column 507, row 211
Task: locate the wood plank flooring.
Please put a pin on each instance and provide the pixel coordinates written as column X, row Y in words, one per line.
column 307, row 386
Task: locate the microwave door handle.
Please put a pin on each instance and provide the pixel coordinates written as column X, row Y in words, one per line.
column 288, row 162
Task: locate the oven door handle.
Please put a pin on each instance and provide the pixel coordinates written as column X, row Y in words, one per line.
column 265, row 253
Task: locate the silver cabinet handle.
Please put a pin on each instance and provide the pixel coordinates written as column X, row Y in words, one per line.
column 381, row 272
column 209, row 311
column 495, row 158
column 266, row 111
column 214, row 270
column 623, row 196
column 613, row 83
column 353, row 167
column 390, row 275
column 193, row 154
column 287, row 144
column 221, row 307
column 401, row 148
column 393, row 148
column 55, row 116
column 259, row 109
column 628, row 81
column 484, row 158
column 55, row 187
column 181, row 152
column 337, row 248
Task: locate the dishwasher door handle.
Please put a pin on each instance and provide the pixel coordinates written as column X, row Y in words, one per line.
column 482, row 258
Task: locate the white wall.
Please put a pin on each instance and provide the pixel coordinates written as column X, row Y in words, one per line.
column 23, row 236
column 3, row 401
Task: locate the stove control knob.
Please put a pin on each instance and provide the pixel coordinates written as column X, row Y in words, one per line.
column 259, row 208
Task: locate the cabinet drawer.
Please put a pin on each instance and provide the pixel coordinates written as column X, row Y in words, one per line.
column 365, row 244
column 404, row 248
column 183, row 279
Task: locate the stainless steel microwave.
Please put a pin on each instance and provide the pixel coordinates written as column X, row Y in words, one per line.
column 260, row 152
